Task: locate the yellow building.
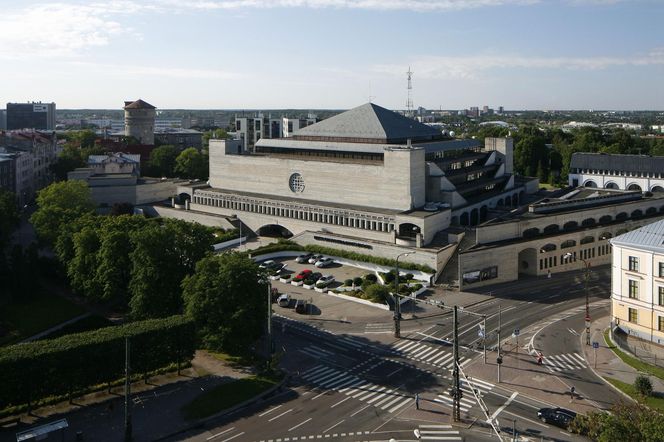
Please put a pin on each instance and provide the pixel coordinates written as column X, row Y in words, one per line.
column 638, row 282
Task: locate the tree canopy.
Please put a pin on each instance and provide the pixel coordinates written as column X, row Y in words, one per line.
column 9, row 216
column 162, row 160
column 58, row 205
column 191, row 163
column 226, row 298
column 633, row 422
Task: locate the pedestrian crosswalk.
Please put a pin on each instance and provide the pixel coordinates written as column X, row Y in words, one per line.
column 468, row 399
column 567, row 361
column 384, row 397
column 379, row 327
column 438, row 433
column 421, row 352
column 316, row 352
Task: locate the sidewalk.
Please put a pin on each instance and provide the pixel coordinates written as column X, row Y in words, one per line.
column 608, row 363
column 100, row 416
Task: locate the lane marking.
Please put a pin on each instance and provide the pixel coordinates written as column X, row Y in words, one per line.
column 341, row 401
column 366, row 406
column 300, row 424
column 233, row 437
column 269, row 411
column 219, row 434
column 341, row 421
column 277, row 417
column 502, row 407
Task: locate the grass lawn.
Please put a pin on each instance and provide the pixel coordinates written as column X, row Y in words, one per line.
column 656, row 403
column 226, row 396
column 26, row 319
column 632, row 361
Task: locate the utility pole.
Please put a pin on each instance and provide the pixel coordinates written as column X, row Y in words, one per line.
column 269, row 320
column 397, row 305
column 456, row 390
column 499, row 359
column 587, row 277
column 484, row 336
column 128, row 429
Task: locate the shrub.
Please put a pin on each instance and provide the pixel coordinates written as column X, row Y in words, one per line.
column 348, row 282
column 377, row 293
column 416, row 287
column 643, row 385
column 297, row 279
column 408, row 276
column 371, row 277
column 388, row 277
column 357, row 281
column 308, row 282
column 322, row 285
column 287, row 276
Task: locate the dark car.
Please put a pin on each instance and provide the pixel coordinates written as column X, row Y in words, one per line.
column 301, row 306
column 560, row 417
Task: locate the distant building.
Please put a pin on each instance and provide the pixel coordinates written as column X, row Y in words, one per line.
column 613, row 171
column 3, row 119
column 7, row 171
column 40, row 116
column 637, row 283
column 180, row 138
column 251, row 129
column 140, row 121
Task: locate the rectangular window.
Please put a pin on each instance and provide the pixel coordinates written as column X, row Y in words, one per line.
column 660, row 323
column 634, row 263
column 633, row 289
column 661, row 269
column 633, row 316
column 661, row 296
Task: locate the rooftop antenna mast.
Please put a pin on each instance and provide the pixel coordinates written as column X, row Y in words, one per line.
column 409, row 102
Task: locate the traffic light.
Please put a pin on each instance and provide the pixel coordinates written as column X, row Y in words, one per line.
column 499, row 360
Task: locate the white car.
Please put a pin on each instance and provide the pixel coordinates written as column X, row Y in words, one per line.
column 314, row 259
column 267, row 264
column 326, row 279
column 304, row 258
column 283, row 300
column 324, row 262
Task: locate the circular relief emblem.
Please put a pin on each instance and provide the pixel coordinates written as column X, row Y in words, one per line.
column 296, row 183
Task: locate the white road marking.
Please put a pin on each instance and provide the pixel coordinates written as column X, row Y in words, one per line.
column 233, row 437
column 269, row 411
column 341, row 401
column 299, row 425
column 219, row 434
column 502, row 407
column 363, row 408
column 277, row 417
column 340, row 422
column 401, row 404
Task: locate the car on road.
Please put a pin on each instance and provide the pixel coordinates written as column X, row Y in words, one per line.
column 304, row 274
column 560, row 417
column 314, row 259
column 304, row 258
column 301, row 306
column 270, row 265
column 324, row 262
column 326, row 279
column 283, row 300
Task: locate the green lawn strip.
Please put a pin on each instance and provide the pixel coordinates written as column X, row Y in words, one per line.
column 226, row 396
column 632, row 361
column 656, row 403
column 27, row 319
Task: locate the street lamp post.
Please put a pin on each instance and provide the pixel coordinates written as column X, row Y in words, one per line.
column 586, row 277
column 397, row 306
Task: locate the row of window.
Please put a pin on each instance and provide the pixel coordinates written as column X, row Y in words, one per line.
column 634, row 266
column 633, row 291
column 552, row 261
column 619, row 173
column 633, row 317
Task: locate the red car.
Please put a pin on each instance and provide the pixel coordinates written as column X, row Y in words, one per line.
column 304, row 274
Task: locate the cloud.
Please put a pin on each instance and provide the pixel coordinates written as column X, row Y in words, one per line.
column 437, row 67
column 61, row 29
column 382, row 5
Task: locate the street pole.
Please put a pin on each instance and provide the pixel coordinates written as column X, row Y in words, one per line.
column 269, row 320
column 587, row 276
column 484, row 337
column 128, row 429
column 595, row 351
column 499, row 325
column 397, row 306
column 456, row 407
column 514, row 430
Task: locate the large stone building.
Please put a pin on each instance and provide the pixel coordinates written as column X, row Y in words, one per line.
column 40, row 116
column 369, row 180
column 637, row 283
column 612, row 171
column 139, row 121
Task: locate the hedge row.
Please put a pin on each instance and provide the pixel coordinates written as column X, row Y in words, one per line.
column 292, row 246
column 57, row 367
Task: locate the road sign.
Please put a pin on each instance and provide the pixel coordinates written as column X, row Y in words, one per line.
column 517, row 332
column 595, row 344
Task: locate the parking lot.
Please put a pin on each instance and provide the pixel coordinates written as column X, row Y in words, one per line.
column 326, row 307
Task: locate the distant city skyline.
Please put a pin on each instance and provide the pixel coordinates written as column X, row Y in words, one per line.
column 334, row 54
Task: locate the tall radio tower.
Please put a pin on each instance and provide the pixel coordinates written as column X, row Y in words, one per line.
column 409, row 103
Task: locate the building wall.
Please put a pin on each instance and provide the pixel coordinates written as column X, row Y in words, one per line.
column 399, row 184
column 622, row 182
column 144, row 193
column 139, row 123
column 509, row 257
column 646, row 303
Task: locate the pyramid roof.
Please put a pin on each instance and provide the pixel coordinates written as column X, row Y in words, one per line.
column 138, row 104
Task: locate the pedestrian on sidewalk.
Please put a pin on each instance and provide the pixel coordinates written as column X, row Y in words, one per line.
column 540, row 358
column 572, row 390
column 548, row 274
column 417, row 401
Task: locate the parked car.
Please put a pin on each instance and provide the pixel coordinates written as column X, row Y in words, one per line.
column 284, row 300
column 560, row 417
column 271, row 265
column 315, row 276
column 304, row 258
column 324, row 262
column 326, row 279
column 301, row 306
column 314, row 259
column 304, row 274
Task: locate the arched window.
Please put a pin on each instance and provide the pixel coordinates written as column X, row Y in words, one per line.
column 621, row 216
column 530, row 233
column 605, row 219
column 588, row 222
column 587, row 240
column 552, row 228
column 637, row 214
column 570, row 225
column 567, row 244
column 548, row 248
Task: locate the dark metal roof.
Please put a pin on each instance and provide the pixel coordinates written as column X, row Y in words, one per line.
column 138, row 104
column 370, row 122
column 623, row 163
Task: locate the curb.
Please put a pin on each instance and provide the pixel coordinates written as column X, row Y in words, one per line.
column 201, row 422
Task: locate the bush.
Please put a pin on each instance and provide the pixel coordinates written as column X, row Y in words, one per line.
column 377, row 293
column 357, row 281
column 287, row 276
column 416, row 287
column 371, row 277
column 309, row 282
column 348, row 282
column 322, row 285
column 408, row 276
column 297, row 279
column 388, row 277
column 643, row 386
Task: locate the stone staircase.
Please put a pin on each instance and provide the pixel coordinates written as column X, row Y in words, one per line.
column 449, row 277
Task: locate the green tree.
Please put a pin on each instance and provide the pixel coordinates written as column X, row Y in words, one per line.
column 82, row 268
column 219, row 134
column 377, row 293
column 192, row 164
column 226, row 299
column 162, row 160
column 59, row 204
column 9, row 216
column 643, row 386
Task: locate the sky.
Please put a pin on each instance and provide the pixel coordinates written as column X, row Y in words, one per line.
column 334, row 54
